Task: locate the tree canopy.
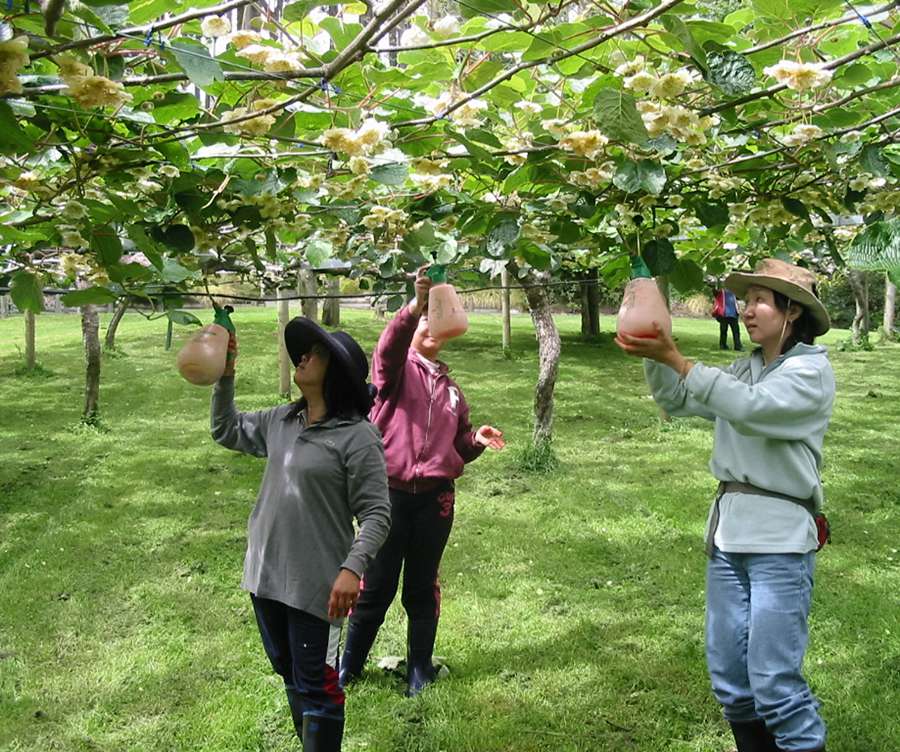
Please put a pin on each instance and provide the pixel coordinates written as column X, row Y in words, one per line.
column 154, row 143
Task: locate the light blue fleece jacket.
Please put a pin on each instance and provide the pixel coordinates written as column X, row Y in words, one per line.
column 770, row 424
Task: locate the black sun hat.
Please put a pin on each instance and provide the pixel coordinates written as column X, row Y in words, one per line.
column 302, row 333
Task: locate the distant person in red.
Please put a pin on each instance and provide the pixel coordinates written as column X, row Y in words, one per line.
column 725, row 311
column 424, row 421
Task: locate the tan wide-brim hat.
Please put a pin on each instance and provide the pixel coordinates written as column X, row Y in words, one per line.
column 795, row 282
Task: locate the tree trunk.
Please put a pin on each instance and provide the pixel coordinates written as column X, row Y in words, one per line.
column 112, row 327
column 890, row 303
column 331, row 307
column 169, row 328
column 4, row 306
column 30, row 358
column 590, row 305
column 548, row 355
column 307, row 285
column 859, row 284
column 90, row 330
column 284, row 361
column 504, row 308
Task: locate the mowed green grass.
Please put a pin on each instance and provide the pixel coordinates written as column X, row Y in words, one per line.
column 573, row 602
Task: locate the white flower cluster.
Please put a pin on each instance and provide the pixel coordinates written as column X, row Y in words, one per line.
column 531, row 108
column 594, row 177
column 719, row 186
column 272, row 59
column 448, row 26
column 87, row 89
column 244, row 37
column 255, row 126
column 799, row 76
column 588, row 144
column 518, row 143
column 665, row 86
column 802, row 135
column 466, row 115
column 13, row 57
column 393, row 221
column 414, row 37
column 679, row 122
column 215, row 26
column 368, row 139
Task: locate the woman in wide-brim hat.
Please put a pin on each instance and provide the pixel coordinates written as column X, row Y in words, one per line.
column 771, row 411
column 324, row 468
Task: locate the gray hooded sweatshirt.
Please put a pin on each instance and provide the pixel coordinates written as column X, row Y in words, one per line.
column 317, row 479
column 770, row 424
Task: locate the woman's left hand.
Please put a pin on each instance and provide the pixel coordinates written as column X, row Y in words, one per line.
column 490, row 437
column 660, row 347
column 344, row 593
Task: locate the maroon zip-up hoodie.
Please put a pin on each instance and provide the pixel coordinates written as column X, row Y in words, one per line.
column 421, row 413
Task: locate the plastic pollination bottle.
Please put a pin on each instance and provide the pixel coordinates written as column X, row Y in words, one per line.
column 446, row 317
column 202, row 359
column 642, row 303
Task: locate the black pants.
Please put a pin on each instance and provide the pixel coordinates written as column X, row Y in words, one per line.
column 420, row 527
column 735, row 332
column 303, row 651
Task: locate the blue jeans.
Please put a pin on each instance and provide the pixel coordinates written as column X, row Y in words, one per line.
column 757, row 607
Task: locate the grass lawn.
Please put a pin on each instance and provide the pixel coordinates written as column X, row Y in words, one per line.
column 573, row 602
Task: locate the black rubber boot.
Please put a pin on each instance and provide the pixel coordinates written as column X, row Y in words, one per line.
column 420, row 635
column 753, row 736
column 296, row 706
column 360, row 637
column 322, row 734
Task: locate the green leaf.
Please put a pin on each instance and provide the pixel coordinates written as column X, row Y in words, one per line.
column 14, row 139
column 26, row 292
column 106, row 244
column 618, row 117
column 299, row 10
column 174, row 272
column 271, row 244
column 855, row 74
column 535, row 255
column 175, row 107
column 195, row 60
column 390, row 174
column 660, row 257
column 643, row 175
column 473, row 8
column 795, row 207
column 712, row 215
column 731, row 72
column 877, row 247
column 687, row 276
column 871, row 160
column 515, row 41
column 677, row 28
column 317, row 251
column 341, row 32
column 89, row 296
column 184, row 318
column 179, row 238
column 503, row 232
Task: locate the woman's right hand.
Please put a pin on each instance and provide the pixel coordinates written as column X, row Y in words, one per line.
column 230, row 355
column 423, row 285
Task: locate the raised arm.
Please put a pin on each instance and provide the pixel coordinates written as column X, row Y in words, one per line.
column 243, row 432
column 393, row 345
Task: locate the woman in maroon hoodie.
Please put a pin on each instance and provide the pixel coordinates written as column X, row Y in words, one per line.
column 424, row 422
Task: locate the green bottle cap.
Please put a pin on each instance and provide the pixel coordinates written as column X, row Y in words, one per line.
column 222, row 318
column 437, row 273
column 639, row 268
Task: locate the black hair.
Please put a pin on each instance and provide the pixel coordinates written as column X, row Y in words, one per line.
column 803, row 329
column 342, row 398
